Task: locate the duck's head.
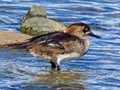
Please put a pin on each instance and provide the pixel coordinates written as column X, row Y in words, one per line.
column 80, row 29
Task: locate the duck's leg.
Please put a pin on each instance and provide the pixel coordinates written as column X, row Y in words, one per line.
column 53, row 65
column 58, row 65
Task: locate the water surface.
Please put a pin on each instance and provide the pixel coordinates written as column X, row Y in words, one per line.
column 99, row 69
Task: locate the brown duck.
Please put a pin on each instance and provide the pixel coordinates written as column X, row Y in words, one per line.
column 59, row 46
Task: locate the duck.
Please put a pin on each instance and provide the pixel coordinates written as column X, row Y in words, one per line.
column 72, row 43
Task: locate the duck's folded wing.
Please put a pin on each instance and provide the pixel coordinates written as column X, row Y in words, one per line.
column 56, row 40
column 53, row 40
column 30, row 42
column 52, row 43
column 43, row 37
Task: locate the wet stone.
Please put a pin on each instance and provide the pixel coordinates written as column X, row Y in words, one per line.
column 35, row 22
column 7, row 37
column 35, row 11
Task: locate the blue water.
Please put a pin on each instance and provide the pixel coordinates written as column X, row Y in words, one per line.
column 99, row 69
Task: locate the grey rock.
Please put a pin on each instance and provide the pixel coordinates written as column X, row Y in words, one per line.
column 35, row 11
column 35, row 22
column 7, row 37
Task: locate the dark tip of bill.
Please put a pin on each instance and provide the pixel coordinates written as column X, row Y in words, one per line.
column 92, row 34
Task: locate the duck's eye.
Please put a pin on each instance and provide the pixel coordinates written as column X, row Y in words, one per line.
column 86, row 30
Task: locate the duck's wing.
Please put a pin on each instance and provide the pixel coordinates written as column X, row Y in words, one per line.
column 30, row 42
column 42, row 37
column 54, row 40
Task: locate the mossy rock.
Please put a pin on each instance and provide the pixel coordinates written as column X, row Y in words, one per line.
column 40, row 25
column 35, row 22
column 35, row 11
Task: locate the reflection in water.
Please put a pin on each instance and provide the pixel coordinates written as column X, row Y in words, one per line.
column 57, row 80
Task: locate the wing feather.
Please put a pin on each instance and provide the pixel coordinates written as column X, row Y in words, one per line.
column 54, row 40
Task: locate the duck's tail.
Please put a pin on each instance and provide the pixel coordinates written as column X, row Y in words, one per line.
column 19, row 46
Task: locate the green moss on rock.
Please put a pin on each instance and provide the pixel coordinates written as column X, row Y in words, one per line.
column 35, row 22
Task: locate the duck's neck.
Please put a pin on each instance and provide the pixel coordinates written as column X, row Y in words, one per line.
column 85, row 41
column 80, row 36
column 87, row 44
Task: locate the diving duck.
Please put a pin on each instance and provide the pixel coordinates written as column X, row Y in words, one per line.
column 55, row 47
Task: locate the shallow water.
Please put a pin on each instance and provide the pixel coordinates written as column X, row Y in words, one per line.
column 99, row 69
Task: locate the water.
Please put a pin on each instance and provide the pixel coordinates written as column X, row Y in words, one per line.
column 99, row 69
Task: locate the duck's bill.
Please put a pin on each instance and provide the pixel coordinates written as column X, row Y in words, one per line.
column 92, row 34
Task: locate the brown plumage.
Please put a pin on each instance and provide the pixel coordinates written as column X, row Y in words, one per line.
column 59, row 46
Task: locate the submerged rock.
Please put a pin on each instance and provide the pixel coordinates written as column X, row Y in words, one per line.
column 35, row 22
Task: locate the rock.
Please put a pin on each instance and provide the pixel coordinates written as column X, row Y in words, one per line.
column 35, row 22
column 39, row 26
column 35, row 11
column 7, row 37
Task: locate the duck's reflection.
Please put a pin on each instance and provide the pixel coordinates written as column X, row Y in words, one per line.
column 53, row 80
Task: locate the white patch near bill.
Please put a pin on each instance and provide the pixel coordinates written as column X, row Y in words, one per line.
column 68, row 56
